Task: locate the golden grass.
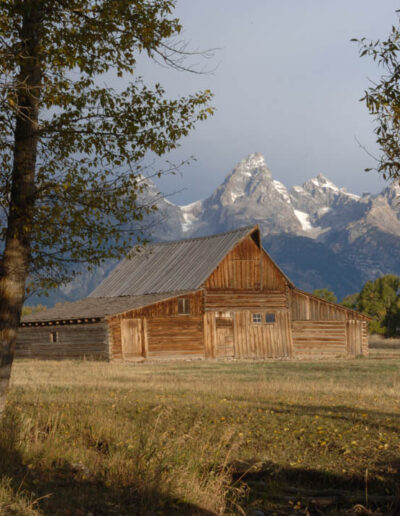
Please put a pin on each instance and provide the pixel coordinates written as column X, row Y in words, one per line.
column 198, row 437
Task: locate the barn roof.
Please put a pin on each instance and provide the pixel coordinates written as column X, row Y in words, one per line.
column 97, row 307
column 170, row 266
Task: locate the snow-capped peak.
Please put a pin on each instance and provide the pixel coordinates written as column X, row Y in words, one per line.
column 324, row 182
column 282, row 190
column 251, row 166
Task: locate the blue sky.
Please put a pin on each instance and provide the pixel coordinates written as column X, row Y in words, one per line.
column 287, row 83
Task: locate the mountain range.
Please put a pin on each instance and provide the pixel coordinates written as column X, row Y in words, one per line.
column 319, row 234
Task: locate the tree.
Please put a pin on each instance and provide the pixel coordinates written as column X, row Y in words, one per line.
column 71, row 150
column 326, row 294
column 351, row 301
column 383, row 101
column 380, row 300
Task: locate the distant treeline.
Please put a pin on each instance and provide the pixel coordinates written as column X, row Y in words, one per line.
column 380, row 299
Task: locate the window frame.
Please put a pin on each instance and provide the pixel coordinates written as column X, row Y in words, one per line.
column 261, row 318
column 271, row 314
column 183, row 306
column 54, row 337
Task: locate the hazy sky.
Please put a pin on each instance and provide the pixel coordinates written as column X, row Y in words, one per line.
column 287, row 83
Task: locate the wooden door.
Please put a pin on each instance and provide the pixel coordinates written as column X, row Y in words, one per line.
column 224, row 336
column 354, row 337
column 131, row 338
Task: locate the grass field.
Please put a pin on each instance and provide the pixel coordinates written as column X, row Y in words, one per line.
column 90, row 438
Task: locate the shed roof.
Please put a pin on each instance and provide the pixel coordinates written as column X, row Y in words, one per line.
column 98, row 307
column 170, row 266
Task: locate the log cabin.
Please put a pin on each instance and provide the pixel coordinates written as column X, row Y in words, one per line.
column 220, row 296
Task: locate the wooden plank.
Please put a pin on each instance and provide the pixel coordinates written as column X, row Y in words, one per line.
column 73, row 341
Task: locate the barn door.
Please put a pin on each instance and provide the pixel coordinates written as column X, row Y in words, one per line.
column 224, row 336
column 131, row 338
column 354, row 337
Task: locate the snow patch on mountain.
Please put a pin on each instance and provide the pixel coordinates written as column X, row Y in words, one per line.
column 190, row 214
column 304, row 219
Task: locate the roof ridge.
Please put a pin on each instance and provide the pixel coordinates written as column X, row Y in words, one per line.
column 167, row 242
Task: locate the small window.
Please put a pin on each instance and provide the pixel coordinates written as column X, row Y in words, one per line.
column 53, row 336
column 183, row 305
column 270, row 318
column 256, row 318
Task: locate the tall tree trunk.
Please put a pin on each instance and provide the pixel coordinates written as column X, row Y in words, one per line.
column 14, row 266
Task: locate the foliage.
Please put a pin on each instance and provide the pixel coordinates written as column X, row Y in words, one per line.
column 383, row 100
column 89, row 192
column 351, row 301
column 380, row 299
column 326, row 294
column 28, row 310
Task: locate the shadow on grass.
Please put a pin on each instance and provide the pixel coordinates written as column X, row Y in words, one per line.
column 375, row 419
column 60, row 490
column 285, row 490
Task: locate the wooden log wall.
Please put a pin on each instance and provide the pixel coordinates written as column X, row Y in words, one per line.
column 225, row 300
column 246, row 267
column 319, row 338
column 166, row 333
column 357, row 343
column 252, row 340
column 364, row 347
column 73, row 341
column 175, row 336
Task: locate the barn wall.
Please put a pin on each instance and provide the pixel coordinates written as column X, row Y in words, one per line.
column 74, row 341
column 165, row 332
column 365, row 338
column 319, row 338
column 175, row 336
column 323, row 328
column 246, row 267
column 222, row 300
column 271, row 277
column 254, row 340
column 309, row 308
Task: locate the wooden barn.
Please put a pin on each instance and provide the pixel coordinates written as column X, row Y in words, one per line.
column 211, row 297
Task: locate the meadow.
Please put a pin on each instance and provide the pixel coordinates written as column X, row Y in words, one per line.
column 202, row 438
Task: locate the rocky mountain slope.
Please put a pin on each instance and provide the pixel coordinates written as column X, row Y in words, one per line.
column 320, row 234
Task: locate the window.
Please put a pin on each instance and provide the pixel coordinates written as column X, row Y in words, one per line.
column 269, row 318
column 183, row 305
column 256, row 318
column 53, row 336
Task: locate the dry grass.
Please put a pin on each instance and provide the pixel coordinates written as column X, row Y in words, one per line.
column 379, row 342
column 199, row 437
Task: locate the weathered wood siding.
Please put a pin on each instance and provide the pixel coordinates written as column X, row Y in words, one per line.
column 225, row 300
column 246, row 282
column 323, row 328
column 319, row 338
column 306, row 307
column 166, row 333
column 364, row 348
column 248, row 339
column 73, row 341
column 175, row 336
column 260, row 340
column 246, row 267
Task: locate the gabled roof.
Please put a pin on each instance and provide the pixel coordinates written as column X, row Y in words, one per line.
column 170, row 266
column 97, row 308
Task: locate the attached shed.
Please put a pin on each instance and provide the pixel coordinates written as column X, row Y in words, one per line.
column 210, row 297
